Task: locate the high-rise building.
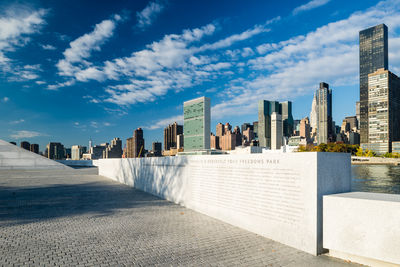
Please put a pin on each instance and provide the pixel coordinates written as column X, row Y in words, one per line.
column 26, row 145
column 305, row 129
column 276, row 131
column 220, row 130
column 383, row 111
column 135, row 144
column 325, row 131
column 373, row 56
column 255, row 129
column 238, row 136
column 34, row 148
column 114, row 150
column 358, row 114
column 179, row 141
column 287, row 118
column 55, row 150
column 170, row 135
column 156, row 148
column 228, row 141
column 247, row 136
column 314, row 114
column 247, row 125
column 214, row 142
column 265, row 110
column 197, row 118
column 77, row 152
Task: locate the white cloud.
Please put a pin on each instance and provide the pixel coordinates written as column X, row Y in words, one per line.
column 17, row 24
column 310, row 5
column 6, row 99
column 55, row 87
column 40, row 82
column 26, row 134
column 149, row 13
column 74, row 63
column 164, row 122
column 48, row 47
column 17, row 121
column 295, row 67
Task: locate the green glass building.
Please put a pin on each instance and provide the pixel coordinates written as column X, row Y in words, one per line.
column 196, row 125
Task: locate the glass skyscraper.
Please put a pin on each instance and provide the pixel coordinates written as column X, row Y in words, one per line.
column 325, row 131
column 196, row 125
column 373, row 56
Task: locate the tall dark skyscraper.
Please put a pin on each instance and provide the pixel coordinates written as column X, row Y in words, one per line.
column 373, row 56
column 26, row 145
column 325, row 132
column 171, row 133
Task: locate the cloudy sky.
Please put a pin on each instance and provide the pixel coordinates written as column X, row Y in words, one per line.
column 74, row 70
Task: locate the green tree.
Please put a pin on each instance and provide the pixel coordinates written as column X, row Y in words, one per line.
column 359, row 152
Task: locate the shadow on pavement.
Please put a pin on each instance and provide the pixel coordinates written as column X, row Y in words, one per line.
column 19, row 205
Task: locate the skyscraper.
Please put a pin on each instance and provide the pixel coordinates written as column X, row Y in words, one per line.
column 171, row 133
column 265, row 109
column 26, row 145
column 373, row 56
column 325, row 132
column 34, row 148
column 55, row 151
column 220, row 130
column 383, row 111
column 114, row 150
column 276, row 131
column 314, row 114
column 197, row 119
column 135, row 145
column 287, row 118
column 156, row 148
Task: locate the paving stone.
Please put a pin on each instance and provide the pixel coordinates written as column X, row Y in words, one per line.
column 75, row 217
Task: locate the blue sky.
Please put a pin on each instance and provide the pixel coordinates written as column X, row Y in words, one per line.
column 74, row 70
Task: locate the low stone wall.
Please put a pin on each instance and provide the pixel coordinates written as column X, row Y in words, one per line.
column 278, row 196
column 363, row 227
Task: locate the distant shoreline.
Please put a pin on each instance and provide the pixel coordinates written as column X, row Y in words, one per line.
column 374, row 161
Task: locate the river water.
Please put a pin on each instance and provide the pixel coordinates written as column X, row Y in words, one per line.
column 376, row 178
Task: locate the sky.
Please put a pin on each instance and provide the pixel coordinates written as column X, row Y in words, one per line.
column 74, row 70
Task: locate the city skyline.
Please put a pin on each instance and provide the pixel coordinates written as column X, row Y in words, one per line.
column 48, row 104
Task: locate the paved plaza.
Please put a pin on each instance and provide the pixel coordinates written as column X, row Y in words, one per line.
column 75, row 217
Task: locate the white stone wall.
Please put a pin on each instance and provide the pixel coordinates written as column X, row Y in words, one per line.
column 363, row 227
column 275, row 195
column 14, row 157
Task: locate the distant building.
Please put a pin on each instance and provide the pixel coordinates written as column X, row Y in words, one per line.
column 276, row 131
column 325, row 131
column 114, row 150
column 180, row 141
column 135, row 145
column 287, row 118
column 245, row 126
column 26, row 145
column 314, row 113
column 265, row 110
column 255, row 130
column 373, row 56
column 228, row 141
column 197, row 117
column 34, row 148
column 214, row 142
column 171, row 133
column 156, row 149
column 220, row 130
column 55, row 150
column 305, row 129
column 77, row 152
column 238, row 136
column 383, row 111
column 358, row 114
column 247, row 136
